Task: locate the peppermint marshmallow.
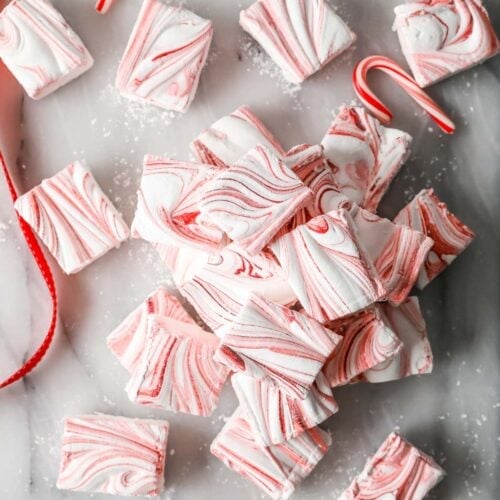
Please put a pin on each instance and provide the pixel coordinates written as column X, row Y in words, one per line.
column 429, row 215
column 251, row 200
column 442, row 37
column 73, row 217
column 164, row 57
column 300, row 37
column 364, row 155
column 276, row 344
column 39, row 48
column 278, row 469
column 397, row 470
column 167, row 204
column 176, row 370
column 128, row 339
column 114, row 455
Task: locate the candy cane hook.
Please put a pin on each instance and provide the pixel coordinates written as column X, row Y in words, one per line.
column 404, row 80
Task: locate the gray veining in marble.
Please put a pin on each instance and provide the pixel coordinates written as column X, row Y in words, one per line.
column 452, row 414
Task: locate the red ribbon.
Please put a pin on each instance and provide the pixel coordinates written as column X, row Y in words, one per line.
column 44, row 267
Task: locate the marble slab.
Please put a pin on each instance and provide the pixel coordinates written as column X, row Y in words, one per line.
column 452, row 414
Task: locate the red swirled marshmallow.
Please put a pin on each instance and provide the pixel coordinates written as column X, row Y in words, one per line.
column 182, row 262
column 251, row 200
column 114, row 455
column 364, row 155
column 167, row 204
column 274, row 416
column 415, row 356
column 366, row 343
column 164, row 57
column 442, row 37
column 176, row 370
column 219, row 287
column 73, row 217
column 40, row 48
column 396, row 252
column 231, row 137
column 276, row 344
column 429, row 215
column 277, row 469
column 397, row 470
column 300, row 36
column 127, row 340
column 326, row 269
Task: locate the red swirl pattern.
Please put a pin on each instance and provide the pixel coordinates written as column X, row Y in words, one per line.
column 364, row 155
column 73, row 217
column 167, row 204
column 39, row 47
column 300, row 36
column 398, row 470
column 325, row 267
column 415, row 357
column 278, row 469
column 397, row 252
column 231, row 137
column 114, row 455
column 251, row 200
column 274, row 416
column 366, row 343
column 176, row 371
column 442, row 37
column 276, row 344
column 164, row 57
column 127, row 340
column 429, row 215
column 219, row 288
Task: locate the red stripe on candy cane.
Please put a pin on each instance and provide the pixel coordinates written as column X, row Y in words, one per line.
column 102, row 6
column 405, row 81
column 44, row 267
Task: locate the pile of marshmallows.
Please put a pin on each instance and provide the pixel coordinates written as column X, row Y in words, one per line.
column 303, row 288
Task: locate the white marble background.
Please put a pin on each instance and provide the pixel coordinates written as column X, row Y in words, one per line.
column 453, row 413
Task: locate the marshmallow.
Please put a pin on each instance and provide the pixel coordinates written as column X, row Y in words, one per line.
column 231, row 137
column 415, row 356
column 176, row 370
column 440, row 38
column 429, row 215
column 127, row 340
column 73, row 217
column 164, row 57
column 277, row 469
column 274, row 416
column 276, row 344
column 219, row 288
column 251, row 200
column 397, row 252
column 364, row 155
column 114, row 455
column 167, row 204
column 39, row 48
column 397, row 470
column 300, row 37
column 325, row 268
column 367, row 342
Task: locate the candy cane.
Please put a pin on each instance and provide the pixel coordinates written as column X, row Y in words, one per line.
column 404, row 80
column 102, row 6
column 44, row 267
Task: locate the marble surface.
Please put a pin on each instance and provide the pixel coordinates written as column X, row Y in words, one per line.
column 452, row 414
